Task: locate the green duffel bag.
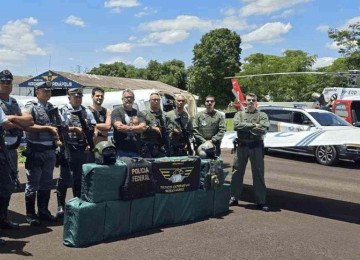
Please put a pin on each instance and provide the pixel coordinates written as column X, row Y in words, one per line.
column 83, row 223
column 221, row 199
column 203, row 204
column 117, row 218
column 174, row 208
column 141, row 214
column 102, row 182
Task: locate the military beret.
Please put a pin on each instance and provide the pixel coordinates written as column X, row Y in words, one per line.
column 44, row 85
column 6, row 75
column 75, row 91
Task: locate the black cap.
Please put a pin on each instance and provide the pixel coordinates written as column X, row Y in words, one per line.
column 75, row 91
column 45, row 85
column 6, row 75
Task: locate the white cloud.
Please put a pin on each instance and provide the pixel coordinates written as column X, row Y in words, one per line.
column 261, row 7
column 323, row 28
column 246, row 46
column 117, row 5
column 145, row 11
column 285, row 14
column 132, row 38
column 178, row 29
column 181, row 22
column 140, row 62
column 270, row 32
column 323, row 62
column 18, row 39
column 353, row 20
column 120, row 47
column 232, row 23
column 332, row 46
column 73, row 20
column 166, row 37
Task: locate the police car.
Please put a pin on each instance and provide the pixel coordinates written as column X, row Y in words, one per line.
column 300, row 119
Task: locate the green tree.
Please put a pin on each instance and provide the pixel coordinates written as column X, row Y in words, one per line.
column 349, row 42
column 279, row 87
column 215, row 57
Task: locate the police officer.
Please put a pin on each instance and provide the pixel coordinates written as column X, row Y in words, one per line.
column 40, row 156
column 71, row 170
column 179, row 140
column 101, row 114
column 18, row 119
column 3, row 123
column 126, row 131
column 251, row 126
column 209, row 125
column 154, row 139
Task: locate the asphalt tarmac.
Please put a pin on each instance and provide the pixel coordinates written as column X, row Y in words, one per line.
column 314, row 214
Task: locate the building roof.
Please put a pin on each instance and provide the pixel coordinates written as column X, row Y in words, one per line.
column 91, row 80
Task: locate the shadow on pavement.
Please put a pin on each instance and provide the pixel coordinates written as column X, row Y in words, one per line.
column 322, row 207
column 15, row 247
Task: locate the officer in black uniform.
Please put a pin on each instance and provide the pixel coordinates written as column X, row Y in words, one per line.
column 40, row 156
column 18, row 119
column 101, row 114
column 154, row 139
column 126, row 131
column 71, row 170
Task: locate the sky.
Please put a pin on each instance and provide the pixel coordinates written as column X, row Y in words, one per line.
column 77, row 35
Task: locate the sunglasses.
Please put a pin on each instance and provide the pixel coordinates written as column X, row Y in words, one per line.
column 210, row 101
column 131, row 98
column 155, row 99
column 251, row 99
column 180, row 100
column 7, row 81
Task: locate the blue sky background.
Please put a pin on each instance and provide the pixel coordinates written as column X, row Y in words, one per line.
column 73, row 35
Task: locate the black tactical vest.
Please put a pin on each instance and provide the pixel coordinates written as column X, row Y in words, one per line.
column 75, row 121
column 12, row 109
column 41, row 117
column 138, row 181
column 100, row 116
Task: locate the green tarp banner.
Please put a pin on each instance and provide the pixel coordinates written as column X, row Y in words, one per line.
column 102, row 182
column 83, row 222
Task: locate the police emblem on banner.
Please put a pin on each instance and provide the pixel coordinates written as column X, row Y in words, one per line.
column 176, row 174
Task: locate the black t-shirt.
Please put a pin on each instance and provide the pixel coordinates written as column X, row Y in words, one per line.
column 126, row 141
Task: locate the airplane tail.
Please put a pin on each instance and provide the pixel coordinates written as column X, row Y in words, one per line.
column 240, row 99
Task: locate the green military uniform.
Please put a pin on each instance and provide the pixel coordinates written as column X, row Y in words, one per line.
column 209, row 126
column 250, row 144
column 178, row 142
column 153, row 144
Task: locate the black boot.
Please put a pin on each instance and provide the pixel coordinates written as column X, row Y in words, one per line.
column 31, row 216
column 5, row 223
column 77, row 190
column 2, row 242
column 61, row 195
column 43, row 198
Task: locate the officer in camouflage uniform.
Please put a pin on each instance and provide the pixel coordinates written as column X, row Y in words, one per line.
column 40, row 156
column 17, row 119
column 251, row 126
column 71, row 171
column 154, row 139
column 209, row 125
column 177, row 137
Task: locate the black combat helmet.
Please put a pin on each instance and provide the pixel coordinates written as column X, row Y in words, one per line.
column 105, row 153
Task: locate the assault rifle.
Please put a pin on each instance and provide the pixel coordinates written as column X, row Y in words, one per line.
column 13, row 169
column 63, row 131
column 164, row 134
column 185, row 135
column 88, row 131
